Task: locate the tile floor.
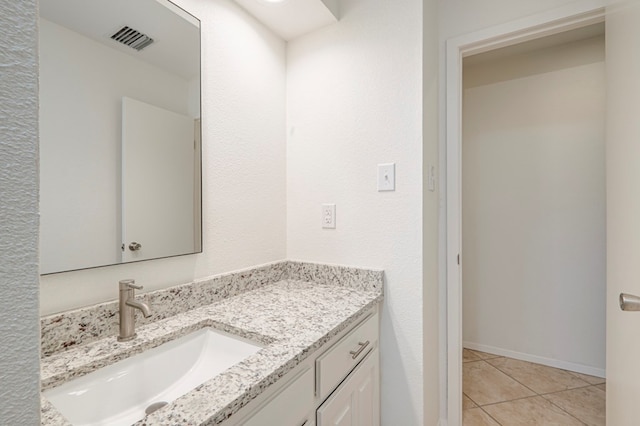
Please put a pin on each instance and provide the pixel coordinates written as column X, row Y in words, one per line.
column 508, row 392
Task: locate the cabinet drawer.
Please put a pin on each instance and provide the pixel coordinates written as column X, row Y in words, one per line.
column 335, row 364
column 290, row 407
column 357, row 399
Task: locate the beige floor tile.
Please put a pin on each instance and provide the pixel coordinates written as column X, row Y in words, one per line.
column 467, row 403
column 482, row 355
column 592, row 380
column 468, row 355
column 586, row 404
column 539, row 378
column 533, row 411
column 477, row 417
column 485, row 384
column 602, row 387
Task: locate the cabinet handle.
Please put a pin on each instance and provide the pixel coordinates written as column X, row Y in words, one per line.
column 355, row 354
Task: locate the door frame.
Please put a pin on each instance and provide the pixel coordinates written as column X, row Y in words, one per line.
column 572, row 16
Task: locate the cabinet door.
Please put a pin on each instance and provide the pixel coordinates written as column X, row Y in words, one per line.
column 290, row 407
column 356, row 402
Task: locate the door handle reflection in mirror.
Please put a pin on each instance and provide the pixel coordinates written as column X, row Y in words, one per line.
column 629, row 302
column 135, row 246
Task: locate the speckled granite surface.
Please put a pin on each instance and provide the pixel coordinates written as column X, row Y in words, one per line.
column 84, row 325
column 292, row 317
column 361, row 279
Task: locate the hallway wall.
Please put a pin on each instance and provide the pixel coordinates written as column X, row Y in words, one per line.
column 534, row 205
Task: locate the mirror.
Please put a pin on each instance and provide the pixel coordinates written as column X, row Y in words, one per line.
column 120, row 158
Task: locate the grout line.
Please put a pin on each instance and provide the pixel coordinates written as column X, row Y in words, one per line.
column 515, row 380
column 565, row 390
column 568, row 390
column 529, row 397
column 477, row 405
column 536, row 394
column 491, row 356
column 493, row 418
column 563, row 410
column 546, row 393
column 509, row 400
column 574, row 374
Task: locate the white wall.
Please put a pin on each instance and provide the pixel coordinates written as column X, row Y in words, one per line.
column 243, row 118
column 80, row 139
column 371, row 111
column 533, row 205
column 19, row 324
column 354, row 99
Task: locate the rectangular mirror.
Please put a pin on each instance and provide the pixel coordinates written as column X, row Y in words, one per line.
column 120, row 155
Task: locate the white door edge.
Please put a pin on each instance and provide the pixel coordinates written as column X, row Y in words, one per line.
column 572, row 16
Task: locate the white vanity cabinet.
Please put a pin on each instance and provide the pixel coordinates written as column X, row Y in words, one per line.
column 357, row 400
column 339, row 385
column 289, row 406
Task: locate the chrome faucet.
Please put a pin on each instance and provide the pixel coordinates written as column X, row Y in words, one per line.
column 128, row 304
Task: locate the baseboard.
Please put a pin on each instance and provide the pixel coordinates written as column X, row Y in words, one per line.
column 556, row 363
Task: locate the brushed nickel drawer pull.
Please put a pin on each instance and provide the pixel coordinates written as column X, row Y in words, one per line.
column 355, row 354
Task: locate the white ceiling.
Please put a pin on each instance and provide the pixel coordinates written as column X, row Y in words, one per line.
column 292, row 18
column 176, row 34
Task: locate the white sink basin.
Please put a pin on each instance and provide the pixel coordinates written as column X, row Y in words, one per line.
column 120, row 393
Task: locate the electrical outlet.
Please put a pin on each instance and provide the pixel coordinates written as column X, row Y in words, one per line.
column 329, row 216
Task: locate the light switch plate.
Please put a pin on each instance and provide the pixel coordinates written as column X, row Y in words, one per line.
column 387, row 177
column 329, row 216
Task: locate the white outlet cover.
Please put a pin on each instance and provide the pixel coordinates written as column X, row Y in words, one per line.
column 387, row 177
column 329, row 216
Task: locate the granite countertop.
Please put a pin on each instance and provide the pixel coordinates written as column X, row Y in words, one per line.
column 292, row 318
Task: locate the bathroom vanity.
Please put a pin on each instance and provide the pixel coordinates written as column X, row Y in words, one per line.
column 318, row 326
column 341, row 382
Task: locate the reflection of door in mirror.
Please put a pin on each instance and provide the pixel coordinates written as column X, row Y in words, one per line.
column 157, row 182
column 84, row 75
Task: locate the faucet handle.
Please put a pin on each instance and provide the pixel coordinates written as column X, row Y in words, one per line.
column 129, row 283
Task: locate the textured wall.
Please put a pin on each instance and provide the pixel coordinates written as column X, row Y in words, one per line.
column 19, row 325
column 244, row 154
column 354, row 99
column 533, row 206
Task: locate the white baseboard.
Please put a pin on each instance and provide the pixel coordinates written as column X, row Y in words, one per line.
column 556, row 363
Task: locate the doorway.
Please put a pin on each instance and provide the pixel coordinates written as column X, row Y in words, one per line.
column 514, row 37
column 533, row 222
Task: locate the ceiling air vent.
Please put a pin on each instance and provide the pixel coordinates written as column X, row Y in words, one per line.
column 132, row 38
